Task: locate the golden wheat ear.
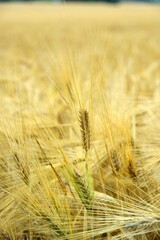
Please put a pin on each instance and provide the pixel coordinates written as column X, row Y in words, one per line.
column 85, row 129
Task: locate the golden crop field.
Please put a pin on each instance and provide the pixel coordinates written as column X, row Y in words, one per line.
column 79, row 122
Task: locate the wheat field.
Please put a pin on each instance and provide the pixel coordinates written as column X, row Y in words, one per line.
column 79, row 122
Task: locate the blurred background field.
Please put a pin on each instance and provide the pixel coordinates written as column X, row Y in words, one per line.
column 38, row 40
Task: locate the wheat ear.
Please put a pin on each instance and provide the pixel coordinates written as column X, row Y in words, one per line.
column 85, row 129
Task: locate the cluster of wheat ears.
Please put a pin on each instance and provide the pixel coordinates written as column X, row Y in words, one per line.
column 79, row 122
